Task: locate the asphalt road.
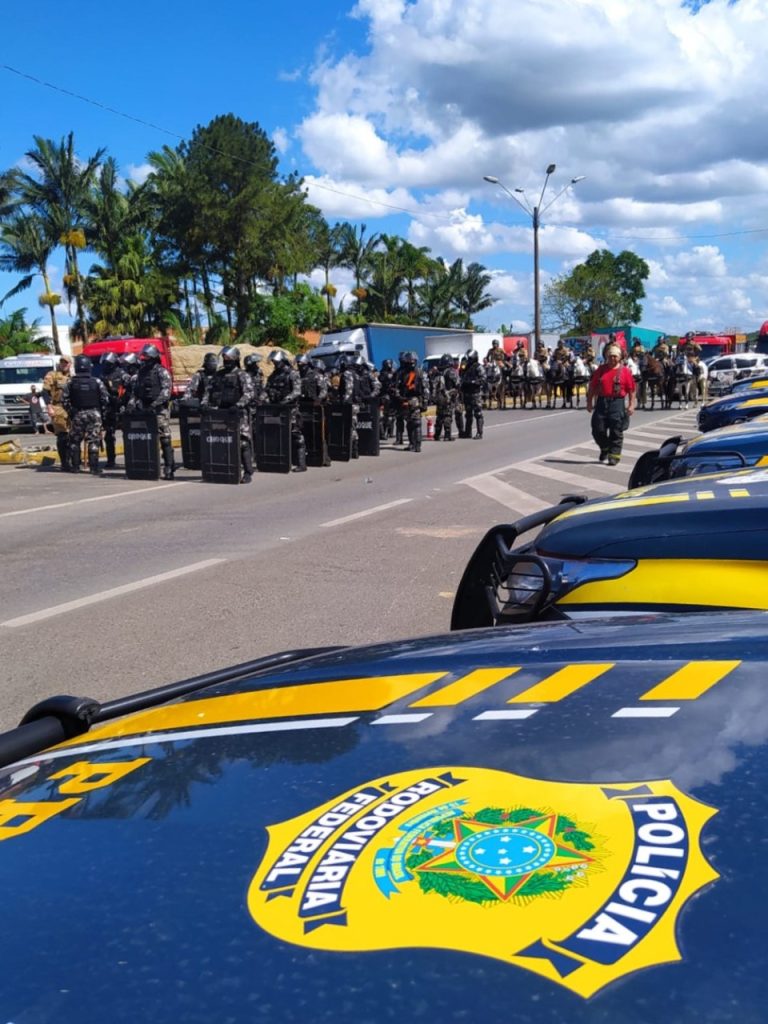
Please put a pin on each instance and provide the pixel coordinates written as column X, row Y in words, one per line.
column 111, row 586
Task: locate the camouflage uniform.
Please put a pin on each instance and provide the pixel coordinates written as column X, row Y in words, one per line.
column 445, row 393
column 283, row 387
column 473, row 389
column 151, row 392
column 232, row 388
column 388, row 399
column 118, row 385
column 53, row 388
column 86, row 422
column 413, row 397
column 348, row 394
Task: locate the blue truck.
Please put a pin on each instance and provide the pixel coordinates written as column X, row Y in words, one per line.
column 377, row 342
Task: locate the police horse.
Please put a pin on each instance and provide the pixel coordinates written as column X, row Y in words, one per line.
column 579, row 376
column 652, row 382
column 496, row 391
column 680, row 382
column 515, row 381
column 556, row 382
column 533, row 383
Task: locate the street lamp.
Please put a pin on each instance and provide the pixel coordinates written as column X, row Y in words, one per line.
column 535, row 214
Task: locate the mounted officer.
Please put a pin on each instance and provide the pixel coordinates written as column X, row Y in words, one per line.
column 473, row 389
column 117, row 382
column 413, row 398
column 232, row 388
column 151, row 392
column 85, row 400
column 283, row 387
column 54, row 383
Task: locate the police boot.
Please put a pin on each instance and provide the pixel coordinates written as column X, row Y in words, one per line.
column 355, row 453
column 74, row 459
column 93, row 463
column 301, row 459
column 109, row 442
column 399, row 437
column 448, row 435
column 62, row 447
column 247, row 457
column 409, row 428
column 479, row 434
column 169, row 466
column 416, row 443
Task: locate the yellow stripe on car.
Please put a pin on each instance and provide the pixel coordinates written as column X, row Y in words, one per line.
column 703, row 582
column 462, row 689
column 690, row 681
column 561, row 684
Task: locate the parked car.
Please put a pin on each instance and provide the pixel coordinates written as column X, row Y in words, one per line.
column 738, row 407
column 693, row 543
column 725, row 371
column 734, row 447
column 558, row 822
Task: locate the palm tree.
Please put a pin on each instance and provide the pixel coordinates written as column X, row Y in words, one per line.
column 111, row 216
column 471, row 296
column 25, row 248
column 386, row 279
column 16, row 335
column 415, row 264
column 329, row 254
column 358, row 256
column 58, row 191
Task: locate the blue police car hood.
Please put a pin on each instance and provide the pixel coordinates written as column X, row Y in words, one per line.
column 559, row 822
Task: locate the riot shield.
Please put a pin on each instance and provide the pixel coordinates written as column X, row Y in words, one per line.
column 314, row 427
column 220, row 445
column 272, row 437
column 189, row 427
column 368, row 427
column 141, row 445
column 340, row 432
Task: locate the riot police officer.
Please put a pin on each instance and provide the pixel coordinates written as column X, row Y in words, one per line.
column 200, row 379
column 117, row 383
column 283, row 387
column 232, row 388
column 314, row 383
column 473, row 389
column 445, row 394
column 388, row 400
column 85, row 399
column 413, row 397
column 255, row 372
column 151, row 391
column 53, row 389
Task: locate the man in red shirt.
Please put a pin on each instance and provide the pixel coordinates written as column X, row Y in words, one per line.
column 611, row 394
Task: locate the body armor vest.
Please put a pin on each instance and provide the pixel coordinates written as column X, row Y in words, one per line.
column 148, row 385
column 84, row 393
column 225, row 389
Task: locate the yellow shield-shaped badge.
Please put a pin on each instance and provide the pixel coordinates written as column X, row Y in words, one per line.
column 581, row 883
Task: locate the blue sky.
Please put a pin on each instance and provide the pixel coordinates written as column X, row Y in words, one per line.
column 399, row 108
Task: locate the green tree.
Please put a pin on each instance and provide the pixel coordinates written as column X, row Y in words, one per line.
column 357, row 255
column 328, row 243
column 604, row 291
column 471, row 296
column 16, row 335
column 57, row 190
column 25, row 248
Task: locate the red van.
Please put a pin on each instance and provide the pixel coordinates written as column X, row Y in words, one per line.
column 123, row 344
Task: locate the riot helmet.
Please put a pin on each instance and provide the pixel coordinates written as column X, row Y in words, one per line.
column 82, row 364
column 210, row 362
column 278, row 358
column 387, row 366
column 344, row 362
column 129, row 361
column 319, row 365
column 109, row 360
column 445, row 361
column 472, row 355
column 150, row 353
column 359, row 364
column 408, row 358
column 303, row 364
column 251, row 362
column 230, row 356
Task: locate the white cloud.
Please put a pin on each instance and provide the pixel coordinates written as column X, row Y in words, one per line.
column 138, row 172
column 281, row 139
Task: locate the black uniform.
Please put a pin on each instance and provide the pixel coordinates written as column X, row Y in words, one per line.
column 118, row 385
column 85, row 399
column 283, row 387
column 473, row 389
column 412, row 391
column 232, row 388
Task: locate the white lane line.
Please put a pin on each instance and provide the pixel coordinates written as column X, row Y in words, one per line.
column 366, row 512
column 506, row 715
column 402, row 719
column 513, row 423
column 645, row 712
column 127, row 588
column 84, row 501
column 191, row 734
column 581, row 482
column 510, row 497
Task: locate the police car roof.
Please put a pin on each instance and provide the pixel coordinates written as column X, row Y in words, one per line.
column 748, row 438
column 515, row 818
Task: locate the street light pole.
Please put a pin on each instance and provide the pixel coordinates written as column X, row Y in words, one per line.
column 535, row 215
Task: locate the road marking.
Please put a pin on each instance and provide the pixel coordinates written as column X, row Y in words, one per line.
column 506, row 495
column 192, row 734
column 506, row 715
column 580, row 482
column 84, row 501
column 690, row 681
column 645, row 712
column 401, row 719
column 366, row 512
column 513, row 423
column 127, row 588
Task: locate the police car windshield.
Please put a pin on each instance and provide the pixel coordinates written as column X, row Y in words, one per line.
column 22, row 374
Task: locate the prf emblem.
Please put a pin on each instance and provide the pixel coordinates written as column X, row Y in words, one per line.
column 581, row 883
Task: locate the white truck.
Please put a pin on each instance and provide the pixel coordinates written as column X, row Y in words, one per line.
column 17, row 374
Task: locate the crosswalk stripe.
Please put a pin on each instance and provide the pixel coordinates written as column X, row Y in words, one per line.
column 511, row 497
column 580, row 482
